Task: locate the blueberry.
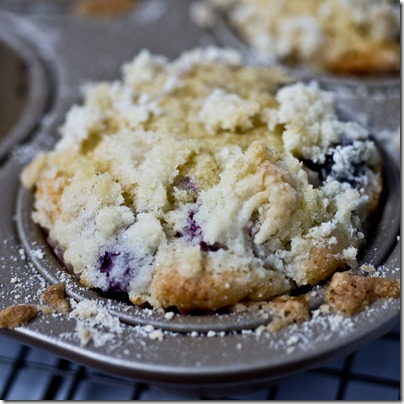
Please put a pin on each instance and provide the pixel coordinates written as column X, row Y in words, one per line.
column 106, row 262
column 353, row 176
column 205, row 247
column 323, row 170
column 106, row 265
column 193, row 232
column 345, row 142
column 188, row 185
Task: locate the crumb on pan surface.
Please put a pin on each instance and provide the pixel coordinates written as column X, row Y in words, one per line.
column 348, row 293
column 201, row 182
column 54, row 296
column 288, row 310
column 16, row 315
column 342, row 36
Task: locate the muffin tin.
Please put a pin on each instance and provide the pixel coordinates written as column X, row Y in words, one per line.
column 206, row 354
column 23, row 83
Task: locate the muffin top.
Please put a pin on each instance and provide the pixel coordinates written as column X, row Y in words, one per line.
column 340, row 36
column 202, row 182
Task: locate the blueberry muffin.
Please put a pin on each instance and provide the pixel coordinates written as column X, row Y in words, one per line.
column 340, row 36
column 202, row 182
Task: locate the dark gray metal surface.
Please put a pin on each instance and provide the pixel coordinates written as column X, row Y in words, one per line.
column 24, row 87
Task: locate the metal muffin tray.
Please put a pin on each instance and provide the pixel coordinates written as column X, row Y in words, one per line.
column 206, row 354
column 24, row 85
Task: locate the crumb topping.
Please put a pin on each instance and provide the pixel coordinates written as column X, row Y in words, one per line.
column 348, row 293
column 17, row 315
column 343, row 36
column 202, row 182
column 288, row 310
column 54, row 296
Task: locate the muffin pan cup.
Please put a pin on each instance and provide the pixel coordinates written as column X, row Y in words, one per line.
column 24, row 82
column 204, row 354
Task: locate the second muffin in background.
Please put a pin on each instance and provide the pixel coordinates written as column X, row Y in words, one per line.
column 354, row 37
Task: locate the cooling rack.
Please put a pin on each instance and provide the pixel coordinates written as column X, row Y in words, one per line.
column 372, row 373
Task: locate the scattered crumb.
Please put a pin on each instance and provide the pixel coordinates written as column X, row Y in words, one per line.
column 370, row 269
column 45, row 309
column 264, row 315
column 202, row 14
column 239, row 308
column 156, row 335
column 292, row 340
column 348, row 293
column 54, row 295
column 86, row 334
column 148, row 328
column 15, row 316
column 38, row 253
column 95, row 323
column 324, row 308
column 169, row 315
column 21, row 251
column 259, row 330
column 288, row 310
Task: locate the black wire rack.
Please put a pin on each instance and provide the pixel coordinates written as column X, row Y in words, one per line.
column 372, row 373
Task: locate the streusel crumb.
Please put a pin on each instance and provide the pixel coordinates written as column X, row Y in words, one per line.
column 287, row 310
column 342, row 36
column 17, row 315
column 202, row 182
column 54, row 296
column 348, row 293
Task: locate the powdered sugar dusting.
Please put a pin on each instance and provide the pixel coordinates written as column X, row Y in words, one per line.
column 92, row 324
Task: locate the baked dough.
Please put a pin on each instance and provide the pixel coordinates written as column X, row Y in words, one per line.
column 202, row 182
column 341, row 36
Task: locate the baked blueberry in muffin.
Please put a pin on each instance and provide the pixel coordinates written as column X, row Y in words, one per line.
column 202, row 182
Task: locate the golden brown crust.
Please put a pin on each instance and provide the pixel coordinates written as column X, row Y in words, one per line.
column 344, row 37
column 288, row 310
column 54, row 296
column 372, row 59
column 15, row 316
column 348, row 293
column 322, row 262
column 50, row 192
column 209, row 291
